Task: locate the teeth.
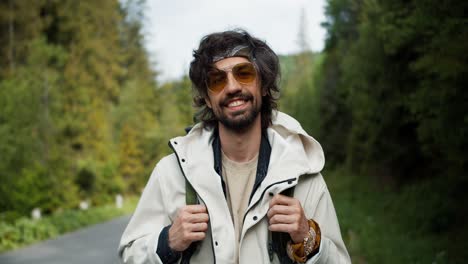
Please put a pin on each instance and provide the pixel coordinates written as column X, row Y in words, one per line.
column 235, row 103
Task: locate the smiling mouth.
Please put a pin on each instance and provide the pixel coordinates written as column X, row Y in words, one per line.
column 236, row 103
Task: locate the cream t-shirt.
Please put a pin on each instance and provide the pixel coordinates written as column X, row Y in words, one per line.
column 239, row 178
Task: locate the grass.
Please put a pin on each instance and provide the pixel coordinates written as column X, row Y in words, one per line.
column 25, row 231
column 382, row 224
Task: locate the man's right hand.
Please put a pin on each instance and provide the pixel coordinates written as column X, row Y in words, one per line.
column 190, row 225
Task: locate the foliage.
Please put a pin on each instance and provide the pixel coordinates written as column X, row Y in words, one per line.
column 298, row 88
column 396, row 71
column 380, row 225
column 75, row 83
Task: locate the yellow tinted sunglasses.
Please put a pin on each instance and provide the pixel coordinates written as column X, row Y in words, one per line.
column 244, row 73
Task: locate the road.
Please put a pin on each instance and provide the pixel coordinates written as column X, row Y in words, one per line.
column 92, row 245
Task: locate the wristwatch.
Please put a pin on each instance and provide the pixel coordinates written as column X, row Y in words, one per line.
column 301, row 252
column 309, row 241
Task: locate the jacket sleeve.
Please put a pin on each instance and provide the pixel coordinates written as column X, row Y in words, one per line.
column 139, row 241
column 332, row 248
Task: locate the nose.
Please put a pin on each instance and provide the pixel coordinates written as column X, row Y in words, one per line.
column 232, row 85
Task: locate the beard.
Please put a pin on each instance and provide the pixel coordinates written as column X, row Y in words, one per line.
column 239, row 120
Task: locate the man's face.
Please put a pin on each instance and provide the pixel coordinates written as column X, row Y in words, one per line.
column 238, row 105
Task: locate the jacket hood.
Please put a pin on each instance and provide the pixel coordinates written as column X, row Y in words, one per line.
column 306, row 147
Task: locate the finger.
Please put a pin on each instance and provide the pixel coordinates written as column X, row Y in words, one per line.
column 195, row 209
column 194, row 218
column 283, row 200
column 286, row 228
column 283, row 219
column 199, row 227
column 282, row 209
column 196, row 236
column 200, row 218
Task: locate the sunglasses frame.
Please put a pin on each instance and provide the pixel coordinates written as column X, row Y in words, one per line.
column 225, row 73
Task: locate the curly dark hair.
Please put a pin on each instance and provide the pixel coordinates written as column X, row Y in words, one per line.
column 258, row 52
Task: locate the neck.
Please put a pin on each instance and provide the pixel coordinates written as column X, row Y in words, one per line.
column 241, row 146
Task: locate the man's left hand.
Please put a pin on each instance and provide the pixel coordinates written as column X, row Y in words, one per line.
column 287, row 215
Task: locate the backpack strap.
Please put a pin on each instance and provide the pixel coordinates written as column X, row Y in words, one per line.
column 277, row 241
column 190, row 194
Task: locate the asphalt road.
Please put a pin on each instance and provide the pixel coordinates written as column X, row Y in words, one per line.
column 92, row 245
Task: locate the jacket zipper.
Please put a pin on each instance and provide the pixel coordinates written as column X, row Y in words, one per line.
column 261, row 196
column 183, row 173
column 263, row 193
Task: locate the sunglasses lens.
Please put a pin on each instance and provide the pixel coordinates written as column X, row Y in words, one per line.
column 216, row 80
column 244, row 73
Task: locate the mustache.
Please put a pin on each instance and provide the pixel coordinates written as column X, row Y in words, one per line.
column 239, row 95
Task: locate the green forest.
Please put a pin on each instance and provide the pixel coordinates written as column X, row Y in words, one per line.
column 82, row 116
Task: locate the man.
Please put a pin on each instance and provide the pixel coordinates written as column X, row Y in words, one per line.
column 241, row 160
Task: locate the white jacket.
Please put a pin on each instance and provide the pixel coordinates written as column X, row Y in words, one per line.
column 296, row 160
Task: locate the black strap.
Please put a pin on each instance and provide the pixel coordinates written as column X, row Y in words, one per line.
column 263, row 162
column 216, row 145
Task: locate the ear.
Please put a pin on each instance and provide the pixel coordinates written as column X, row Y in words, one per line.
column 264, row 91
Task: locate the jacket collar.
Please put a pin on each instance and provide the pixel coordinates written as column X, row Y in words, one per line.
column 293, row 151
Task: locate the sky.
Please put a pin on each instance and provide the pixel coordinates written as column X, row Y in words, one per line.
column 174, row 28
